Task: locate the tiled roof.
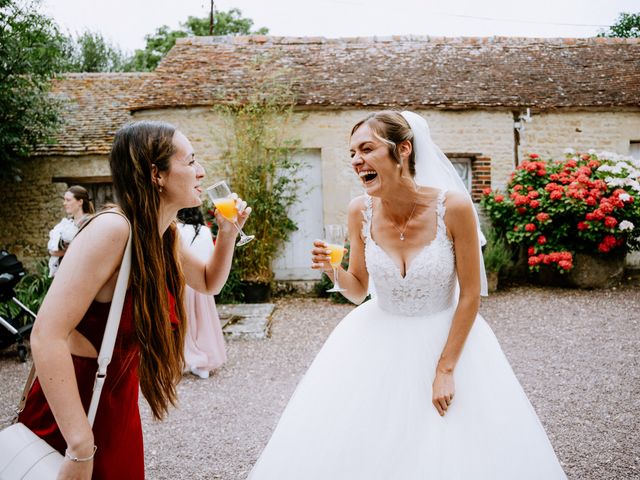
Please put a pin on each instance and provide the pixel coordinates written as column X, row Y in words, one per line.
column 432, row 72
column 96, row 106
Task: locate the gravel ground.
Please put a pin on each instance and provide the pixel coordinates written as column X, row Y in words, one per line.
column 575, row 353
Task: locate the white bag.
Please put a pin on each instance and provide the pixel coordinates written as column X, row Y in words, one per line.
column 25, row 456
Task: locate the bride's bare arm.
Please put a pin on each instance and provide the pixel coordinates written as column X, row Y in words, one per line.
column 355, row 280
column 461, row 224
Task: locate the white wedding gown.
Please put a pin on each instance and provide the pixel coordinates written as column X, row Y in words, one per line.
column 363, row 410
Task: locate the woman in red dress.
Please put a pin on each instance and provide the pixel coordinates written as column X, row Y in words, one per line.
column 155, row 174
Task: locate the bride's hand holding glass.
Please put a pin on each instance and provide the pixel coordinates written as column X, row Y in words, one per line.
column 321, row 257
column 329, row 253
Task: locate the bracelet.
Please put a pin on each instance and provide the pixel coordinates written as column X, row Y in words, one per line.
column 76, row 459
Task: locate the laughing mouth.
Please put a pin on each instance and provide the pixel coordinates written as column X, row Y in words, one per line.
column 367, row 175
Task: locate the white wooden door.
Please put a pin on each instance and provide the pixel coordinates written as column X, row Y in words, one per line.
column 295, row 260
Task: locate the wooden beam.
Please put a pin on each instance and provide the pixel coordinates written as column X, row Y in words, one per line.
column 83, row 180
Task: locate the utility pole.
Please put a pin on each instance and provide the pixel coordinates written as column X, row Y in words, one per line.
column 211, row 19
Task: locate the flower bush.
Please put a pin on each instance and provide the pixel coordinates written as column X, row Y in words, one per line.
column 556, row 208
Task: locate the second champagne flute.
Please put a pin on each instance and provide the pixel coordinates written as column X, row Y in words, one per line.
column 220, row 195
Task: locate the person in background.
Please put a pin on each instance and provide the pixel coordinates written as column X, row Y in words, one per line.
column 78, row 208
column 204, row 348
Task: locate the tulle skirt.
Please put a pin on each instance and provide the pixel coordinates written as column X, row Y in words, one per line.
column 363, row 410
column 204, row 347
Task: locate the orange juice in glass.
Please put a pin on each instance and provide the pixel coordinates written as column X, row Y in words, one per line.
column 337, row 252
column 334, row 238
column 227, row 207
column 220, row 195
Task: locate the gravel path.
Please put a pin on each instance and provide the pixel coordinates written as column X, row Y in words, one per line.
column 575, row 353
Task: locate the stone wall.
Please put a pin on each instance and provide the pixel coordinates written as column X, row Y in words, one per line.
column 548, row 134
column 489, row 134
column 30, row 208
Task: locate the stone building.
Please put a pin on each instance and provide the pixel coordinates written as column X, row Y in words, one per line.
column 489, row 102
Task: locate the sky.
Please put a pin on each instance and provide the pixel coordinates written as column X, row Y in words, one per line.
column 126, row 22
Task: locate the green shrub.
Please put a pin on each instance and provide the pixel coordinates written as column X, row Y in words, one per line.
column 30, row 291
column 262, row 168
column 496, row 253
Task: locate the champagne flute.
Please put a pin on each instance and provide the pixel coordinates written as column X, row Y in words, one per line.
column 334, row 238
column 220, row 195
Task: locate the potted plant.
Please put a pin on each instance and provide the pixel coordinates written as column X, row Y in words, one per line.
column 262, row 169
column 578, row 216
column 497, row 256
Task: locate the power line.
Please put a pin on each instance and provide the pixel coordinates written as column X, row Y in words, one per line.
column 520, row 21
column 492, row 19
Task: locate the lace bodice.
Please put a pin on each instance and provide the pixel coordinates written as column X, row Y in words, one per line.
column 430, row 280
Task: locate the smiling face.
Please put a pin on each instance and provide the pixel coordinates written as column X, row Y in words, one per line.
column 370, row 158
column 181, row 183
column 71, row 204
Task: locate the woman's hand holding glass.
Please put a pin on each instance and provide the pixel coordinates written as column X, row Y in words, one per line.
column 321, row 257
column 327, row 255
column 231, row 211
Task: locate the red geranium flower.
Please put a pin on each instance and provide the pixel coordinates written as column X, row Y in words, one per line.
column 565, row 265
column 610, row 222
column 555, row 195
column 530, row 227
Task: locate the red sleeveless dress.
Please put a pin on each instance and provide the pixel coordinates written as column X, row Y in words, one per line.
column 117, row 428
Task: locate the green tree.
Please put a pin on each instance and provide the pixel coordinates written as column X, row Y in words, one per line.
column 91, row 52
column 627, row 25
column 32, row 50
column 163, row 39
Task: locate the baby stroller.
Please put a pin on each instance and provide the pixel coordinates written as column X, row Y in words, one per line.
column 14, row 328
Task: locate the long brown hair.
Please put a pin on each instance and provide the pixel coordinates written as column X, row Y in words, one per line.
column 391, row 128
column 155, row 269
column 80, row 193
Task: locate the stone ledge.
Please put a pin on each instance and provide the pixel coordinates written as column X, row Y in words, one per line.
column 246, row 320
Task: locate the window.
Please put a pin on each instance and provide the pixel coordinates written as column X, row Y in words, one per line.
column 634, row 149
column 463, row 167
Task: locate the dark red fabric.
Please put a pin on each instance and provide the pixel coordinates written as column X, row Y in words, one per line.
column 117, row 429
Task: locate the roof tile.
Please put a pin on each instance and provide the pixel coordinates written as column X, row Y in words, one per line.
column 404, row 70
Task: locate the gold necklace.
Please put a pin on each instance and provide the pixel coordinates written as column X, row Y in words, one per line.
column 415, row 204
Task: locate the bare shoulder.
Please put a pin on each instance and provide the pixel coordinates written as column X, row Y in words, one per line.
column 108, row 227
column 460, row 213
column 357, row 205
column 457, row 202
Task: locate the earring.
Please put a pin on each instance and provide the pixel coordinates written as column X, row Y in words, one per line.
column 160, row 189
column 398, row 165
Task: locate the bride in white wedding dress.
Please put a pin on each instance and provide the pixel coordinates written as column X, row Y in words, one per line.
column 411, row 384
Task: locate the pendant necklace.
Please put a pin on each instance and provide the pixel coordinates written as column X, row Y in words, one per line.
column 406, row 223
